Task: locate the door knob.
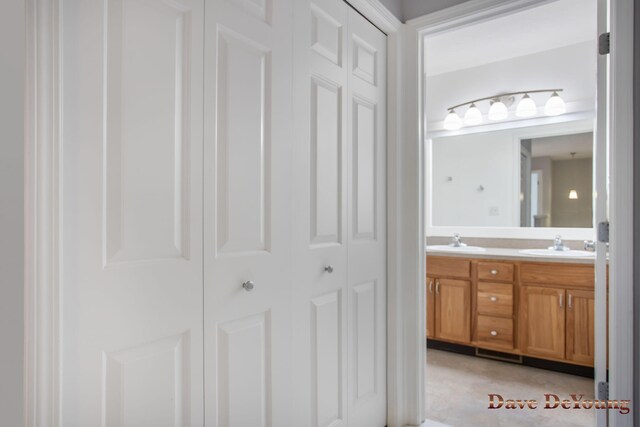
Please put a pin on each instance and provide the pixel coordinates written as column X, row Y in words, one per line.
column 494, row 272
column 248, row 285
column 493, row 299
column 494, row 333
column 329, row 268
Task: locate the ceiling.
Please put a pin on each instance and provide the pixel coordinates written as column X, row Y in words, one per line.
column 561, row 147
column 550, row 26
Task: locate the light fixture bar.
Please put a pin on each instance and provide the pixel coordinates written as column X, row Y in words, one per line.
column 522, row 92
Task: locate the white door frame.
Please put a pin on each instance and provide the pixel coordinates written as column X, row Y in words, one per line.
column 43, row 225
column 621, row 193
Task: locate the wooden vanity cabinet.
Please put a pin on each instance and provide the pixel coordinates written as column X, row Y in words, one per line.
column 557, row 312
column 449, row 299
column 453, row 310
column 542, row 315
column 580, row 326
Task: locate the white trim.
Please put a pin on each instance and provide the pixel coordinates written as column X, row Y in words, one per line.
column 621, row 207
column 42, row 226
column 379, row 15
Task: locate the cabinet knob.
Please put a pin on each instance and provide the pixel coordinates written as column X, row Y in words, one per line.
column 494, row 333
column 494, row 272
column 248, row 285
column 329, row 268
column 493, row 299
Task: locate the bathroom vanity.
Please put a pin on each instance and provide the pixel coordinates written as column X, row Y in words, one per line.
column 503, row 301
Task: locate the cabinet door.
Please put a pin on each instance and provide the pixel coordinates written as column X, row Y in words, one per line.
column 431, row 307
column 580, row 326
column 453, row 310
column 543, row 320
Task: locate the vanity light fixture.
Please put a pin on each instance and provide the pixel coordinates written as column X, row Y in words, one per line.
column 498, row 111
column 555, row 105
column 499, row 108
column 452, row 121
column 473, row 116
column 526, row 107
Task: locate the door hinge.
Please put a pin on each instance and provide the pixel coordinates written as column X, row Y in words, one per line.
column 603, row 232
column 603, row 390
column 604, row 43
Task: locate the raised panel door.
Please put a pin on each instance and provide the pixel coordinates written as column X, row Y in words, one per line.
column 543, row 321
column 580, row 326
column 367, row 249
column 453, row 310
column 247, row 213
column 131, row 281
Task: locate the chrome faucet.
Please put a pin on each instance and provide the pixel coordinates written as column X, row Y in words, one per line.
column 558, row 245
column 456, row 242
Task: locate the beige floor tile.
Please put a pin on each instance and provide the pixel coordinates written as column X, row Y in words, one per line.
column 458, row 388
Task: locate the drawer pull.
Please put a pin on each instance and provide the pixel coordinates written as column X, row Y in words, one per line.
column 494, row 333
column 430, row 286
column 494, row 272
column 437, row 287
column 493, row 299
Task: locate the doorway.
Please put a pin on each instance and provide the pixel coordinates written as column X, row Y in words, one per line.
column 494, row 213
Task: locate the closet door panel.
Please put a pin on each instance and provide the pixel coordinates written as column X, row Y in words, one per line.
column 320, row 221
column 247, row 213
column 131, row 280
column 366, row 61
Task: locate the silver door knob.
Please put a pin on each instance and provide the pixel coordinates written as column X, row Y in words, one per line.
column 493, row 299
column 248, row 285
column 494, row 272
column 494, row 333
column 329, row 268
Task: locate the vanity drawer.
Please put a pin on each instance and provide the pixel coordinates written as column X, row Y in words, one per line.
column 495, row 299
column 495, row 271
column 448, row 267
column 495, row 332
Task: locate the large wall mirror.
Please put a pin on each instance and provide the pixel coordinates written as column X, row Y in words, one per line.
column 487, row 182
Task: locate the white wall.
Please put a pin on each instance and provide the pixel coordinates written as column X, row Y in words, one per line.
column 11, row 211
column 571, row 68
column 488, row 160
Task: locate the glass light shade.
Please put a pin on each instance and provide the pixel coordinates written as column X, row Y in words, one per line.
column 555, row 105
column 573, row 194
column 526, row 107
column 473, row 116
column 498, row 111
column 452, row 121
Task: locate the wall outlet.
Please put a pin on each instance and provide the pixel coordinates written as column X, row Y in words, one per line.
column 494, row 211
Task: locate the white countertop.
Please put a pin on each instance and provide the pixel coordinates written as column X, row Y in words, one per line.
column 513, row 254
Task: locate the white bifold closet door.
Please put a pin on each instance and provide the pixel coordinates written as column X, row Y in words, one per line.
column 132, row 259
column 340, row 216
column 247, row 196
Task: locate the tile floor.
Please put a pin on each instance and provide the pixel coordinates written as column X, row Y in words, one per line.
column 457, row 388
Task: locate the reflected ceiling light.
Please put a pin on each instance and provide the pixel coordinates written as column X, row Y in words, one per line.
column 573, row 194
column 452, row 121
column 498, row 111
column 499, row 108
column 473, row 116
column 555, row 105
column 526, row 107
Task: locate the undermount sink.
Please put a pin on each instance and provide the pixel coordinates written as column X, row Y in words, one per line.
column 554, row 253
column 448, row 248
